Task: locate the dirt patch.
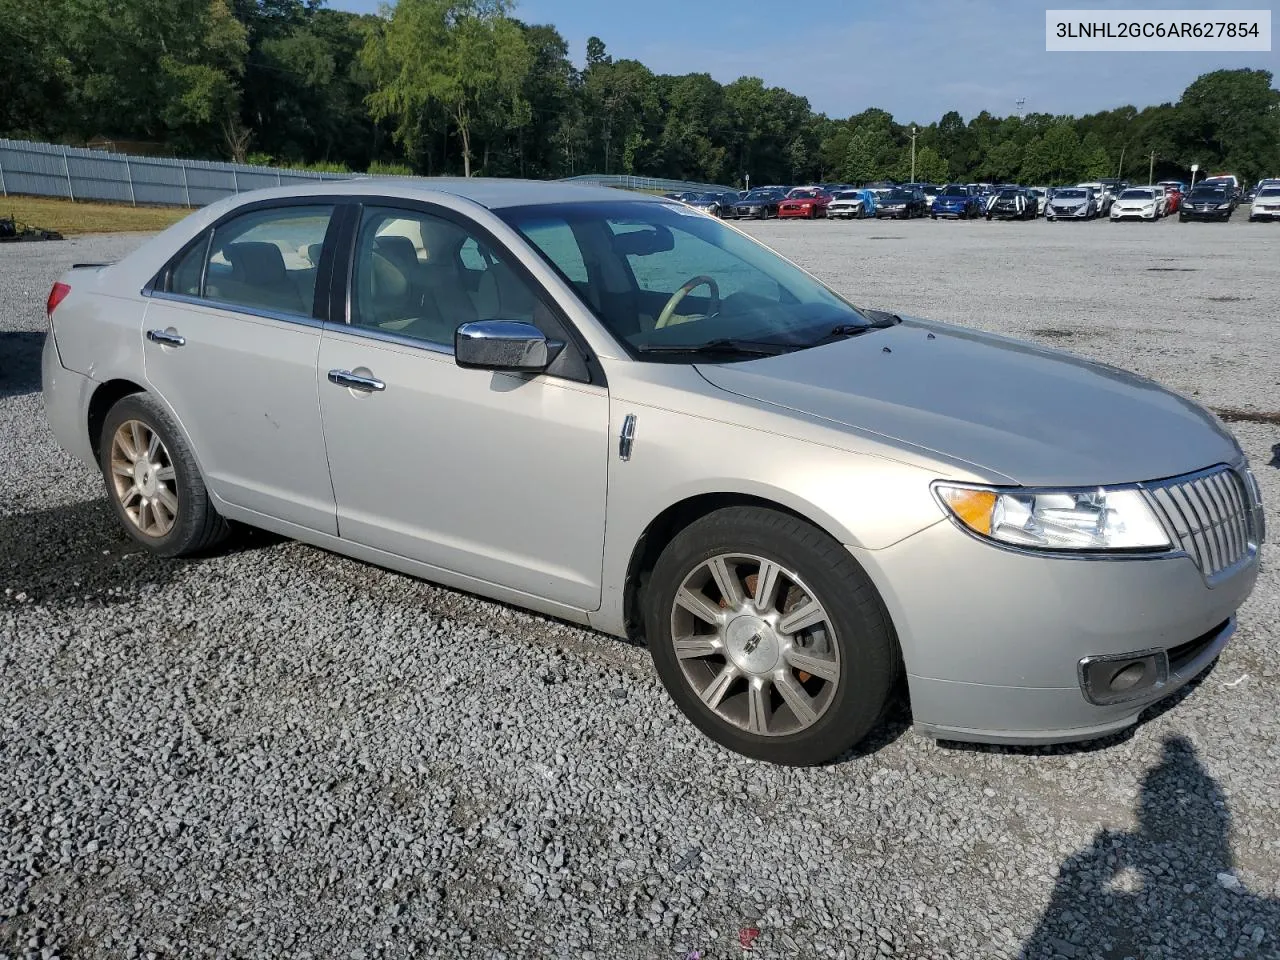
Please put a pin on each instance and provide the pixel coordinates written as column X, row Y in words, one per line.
column 1230, row 415
column 1053, row 333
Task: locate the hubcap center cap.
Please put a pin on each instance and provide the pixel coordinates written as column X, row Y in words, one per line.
column 752, row 645
column 144, row 475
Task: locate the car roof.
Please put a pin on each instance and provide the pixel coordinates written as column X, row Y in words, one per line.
column 490, row 192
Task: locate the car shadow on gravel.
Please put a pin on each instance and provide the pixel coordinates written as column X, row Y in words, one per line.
column 78, row 554
column 19, row 362
column 1167, row 888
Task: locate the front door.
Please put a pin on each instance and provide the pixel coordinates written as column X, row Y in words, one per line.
column 499, row 477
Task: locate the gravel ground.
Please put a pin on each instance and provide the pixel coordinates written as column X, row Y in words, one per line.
column 280, row 752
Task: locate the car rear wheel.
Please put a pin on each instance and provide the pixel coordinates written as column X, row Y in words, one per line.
column 769, row 637
column 153, row 482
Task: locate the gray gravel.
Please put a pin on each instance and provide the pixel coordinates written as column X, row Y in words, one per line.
column 280, row 752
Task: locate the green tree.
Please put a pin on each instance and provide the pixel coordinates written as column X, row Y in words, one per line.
column 463, row 57
column 864, row 160
column 929, row 168
column 1230, row 119
column 1055, row 157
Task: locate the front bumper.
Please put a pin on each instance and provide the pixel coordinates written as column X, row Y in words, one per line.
column 1130, row 214
column 805, row 213
column 1188, row 213
column 1069, row 213
column 993, row 639
column 1264, row 214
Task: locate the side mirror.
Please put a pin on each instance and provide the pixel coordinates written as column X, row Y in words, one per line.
column 503, row 345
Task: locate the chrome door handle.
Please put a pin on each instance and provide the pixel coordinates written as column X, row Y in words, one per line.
column 345, row 378
column 166, row 337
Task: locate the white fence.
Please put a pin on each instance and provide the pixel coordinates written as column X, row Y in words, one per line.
column 49, row 170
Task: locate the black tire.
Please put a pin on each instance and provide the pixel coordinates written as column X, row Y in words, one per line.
column 868, row 651
column 197, row 526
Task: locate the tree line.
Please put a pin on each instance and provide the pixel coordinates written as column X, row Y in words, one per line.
column 466, row 87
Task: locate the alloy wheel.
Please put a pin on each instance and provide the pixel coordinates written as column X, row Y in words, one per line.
column 143, row 478
column 755, row 644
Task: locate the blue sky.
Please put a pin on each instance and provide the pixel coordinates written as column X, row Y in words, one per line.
column 914, row 58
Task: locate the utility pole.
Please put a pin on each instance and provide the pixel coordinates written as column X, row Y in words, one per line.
column 913, row 153
column 1194, row 168
column 1151, row 171
column 1120, row 169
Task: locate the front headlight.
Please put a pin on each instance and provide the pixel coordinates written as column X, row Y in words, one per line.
column 1094, row 519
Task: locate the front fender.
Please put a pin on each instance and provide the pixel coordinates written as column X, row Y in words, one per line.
column 863, row 499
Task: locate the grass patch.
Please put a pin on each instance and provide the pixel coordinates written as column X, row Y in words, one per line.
column 70, row 218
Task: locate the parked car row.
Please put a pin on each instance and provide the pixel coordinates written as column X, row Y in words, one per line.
column 1214, row 198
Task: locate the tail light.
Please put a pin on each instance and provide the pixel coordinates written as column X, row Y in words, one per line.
column 57, row 294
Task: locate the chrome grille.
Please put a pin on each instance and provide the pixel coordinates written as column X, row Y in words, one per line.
column 1211, row 516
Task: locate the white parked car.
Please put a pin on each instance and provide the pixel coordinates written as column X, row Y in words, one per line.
column 1266, row 204
column 1139, row 203
column 1101, row 195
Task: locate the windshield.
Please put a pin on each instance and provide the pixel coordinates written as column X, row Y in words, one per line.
column 1269, row 192
column 951, row 190
column 1008, row 194
column 1137, row 195
column 760, row 195
column 634, row 263
column 898, row 196
column 1069, row 195
column 848, row 195
column 1210, row 194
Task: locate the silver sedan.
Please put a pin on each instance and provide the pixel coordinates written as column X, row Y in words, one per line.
column 619, row 411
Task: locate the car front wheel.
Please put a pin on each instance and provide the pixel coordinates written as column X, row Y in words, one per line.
column 769, row 637
column 153, row 482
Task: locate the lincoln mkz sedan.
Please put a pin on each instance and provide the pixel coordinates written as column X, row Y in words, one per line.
column 619, row 411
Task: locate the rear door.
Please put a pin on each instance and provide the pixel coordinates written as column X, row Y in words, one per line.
column 232, row 337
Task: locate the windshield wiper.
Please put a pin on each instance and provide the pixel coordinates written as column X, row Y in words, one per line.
column 877, row 320
column 723, row 345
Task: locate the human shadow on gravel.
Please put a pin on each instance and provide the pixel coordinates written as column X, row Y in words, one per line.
column 19, row 362
column 1167, row 888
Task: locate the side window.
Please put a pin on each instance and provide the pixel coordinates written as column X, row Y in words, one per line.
column 422, row 276
column 189, row 270
column 267, row 259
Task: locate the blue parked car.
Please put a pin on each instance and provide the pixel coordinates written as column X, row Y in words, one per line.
column 956, row 200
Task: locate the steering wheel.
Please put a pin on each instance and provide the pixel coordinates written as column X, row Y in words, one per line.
column 664, row 318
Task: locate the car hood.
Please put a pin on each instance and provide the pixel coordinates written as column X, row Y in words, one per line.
column 1021, row 412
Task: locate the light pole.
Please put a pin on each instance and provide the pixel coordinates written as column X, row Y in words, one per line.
column 1194, row 168
column 913, row 153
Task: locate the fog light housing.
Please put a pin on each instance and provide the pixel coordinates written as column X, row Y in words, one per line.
column 1124, row 676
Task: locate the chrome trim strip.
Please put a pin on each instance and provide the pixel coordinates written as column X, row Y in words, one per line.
column 387, row 336
column 294, row 318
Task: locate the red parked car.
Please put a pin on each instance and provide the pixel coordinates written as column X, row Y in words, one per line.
column 808, row 203
column 1174, row 199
